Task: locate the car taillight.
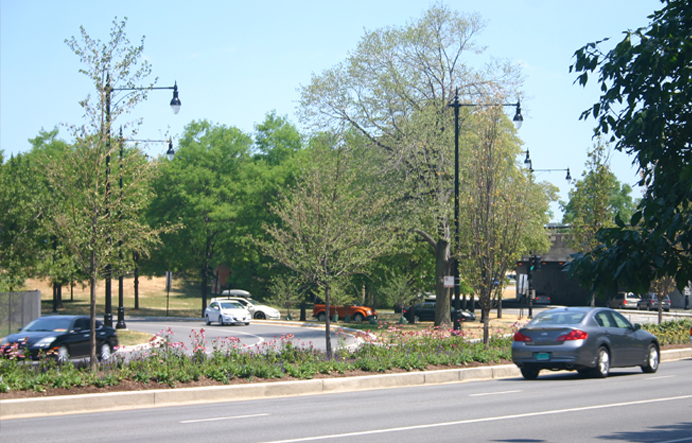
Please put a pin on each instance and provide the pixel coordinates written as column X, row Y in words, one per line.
column 575, row 334
column 518, row 336
column 690, row 332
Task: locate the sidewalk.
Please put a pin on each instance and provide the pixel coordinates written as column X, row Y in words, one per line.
column 75, row 404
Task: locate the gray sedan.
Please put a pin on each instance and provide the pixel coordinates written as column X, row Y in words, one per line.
column 588, row 340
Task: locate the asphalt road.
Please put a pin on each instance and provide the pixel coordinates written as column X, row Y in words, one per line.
column 628, row 406
column 258, row 333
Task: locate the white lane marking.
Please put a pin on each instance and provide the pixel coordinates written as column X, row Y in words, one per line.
column 482, row 420
column 660, row 377
column 235, row 417
column 493, row 393
column 676, row 441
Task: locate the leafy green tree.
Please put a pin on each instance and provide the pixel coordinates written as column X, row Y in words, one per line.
column 645, row 108
column 400, row 292
column 595, row 201
column 661, row 287
column 286, row 291
column 394, row 88
column 203, row 189
column 273, row 164
column 332, row 225
column 21, row 213
column 83, row 220
column 503, row 211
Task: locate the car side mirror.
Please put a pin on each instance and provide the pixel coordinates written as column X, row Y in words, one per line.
column 637, row 326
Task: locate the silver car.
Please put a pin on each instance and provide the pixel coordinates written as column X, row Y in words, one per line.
column 588, row 340
column 624, row 300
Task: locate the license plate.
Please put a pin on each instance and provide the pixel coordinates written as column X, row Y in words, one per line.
column 542, row 355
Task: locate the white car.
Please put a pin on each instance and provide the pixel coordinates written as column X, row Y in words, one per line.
column 257, row 310
column 226, row 312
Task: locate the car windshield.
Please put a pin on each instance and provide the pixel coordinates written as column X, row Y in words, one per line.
column 48, row 324
column 547, row 318
column 230, row 305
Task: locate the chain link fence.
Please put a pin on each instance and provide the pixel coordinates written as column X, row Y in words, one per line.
column 18, row 309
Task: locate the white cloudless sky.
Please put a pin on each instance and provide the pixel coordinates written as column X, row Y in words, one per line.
column 234, row 61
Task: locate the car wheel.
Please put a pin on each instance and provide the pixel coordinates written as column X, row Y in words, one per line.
column 220, row 320
column 208, row 321
column 63, row 354
column 652, row 360
column 602, row 363
column 321, row 316
column 106, row 352
column 247, row 323
column 358, row 317
column 416, row 319
column 260, row 315
column 529, row 372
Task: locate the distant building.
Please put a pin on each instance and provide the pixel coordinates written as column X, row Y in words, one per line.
column 551, row 279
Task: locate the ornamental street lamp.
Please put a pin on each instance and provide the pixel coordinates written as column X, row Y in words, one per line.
column 535, row 260
column 175, row 106
column 121, row 308
column 518, row 120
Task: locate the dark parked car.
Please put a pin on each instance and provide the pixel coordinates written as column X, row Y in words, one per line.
column 650, row 302
column 63, row 336
column 588, row 340
column 426, row 312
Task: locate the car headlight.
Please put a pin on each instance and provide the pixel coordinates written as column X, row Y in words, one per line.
column 368, row 311
column 44, row 342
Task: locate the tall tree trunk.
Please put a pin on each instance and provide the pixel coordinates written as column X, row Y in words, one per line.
column 136, row 260
column 486, row 329
column 327, row 310
column 205, row 282
column 443, row 266
column 92, row 313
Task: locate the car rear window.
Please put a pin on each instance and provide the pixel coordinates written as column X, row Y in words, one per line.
column 557, row 318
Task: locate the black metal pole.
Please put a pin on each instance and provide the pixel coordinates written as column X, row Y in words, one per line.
column 530, row 286
column 108, row 315
column 455, row 260
column 121, row 308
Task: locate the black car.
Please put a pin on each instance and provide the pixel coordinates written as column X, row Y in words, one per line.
column 426, row 312
column 63, row 336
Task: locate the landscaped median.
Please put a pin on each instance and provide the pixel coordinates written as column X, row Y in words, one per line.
column 71, row 404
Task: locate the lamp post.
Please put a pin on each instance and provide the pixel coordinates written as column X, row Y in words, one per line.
column 518, row 120
column 535, row 260
column 175, row 106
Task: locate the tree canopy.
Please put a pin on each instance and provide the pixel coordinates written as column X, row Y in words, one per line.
column 646, row 108
column 394, row 88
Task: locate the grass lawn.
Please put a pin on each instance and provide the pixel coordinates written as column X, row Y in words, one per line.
column 184, row 301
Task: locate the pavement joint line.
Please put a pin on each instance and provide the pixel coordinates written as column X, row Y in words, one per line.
column 86, row 403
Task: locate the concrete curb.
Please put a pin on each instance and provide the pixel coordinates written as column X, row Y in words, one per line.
column 74, row 404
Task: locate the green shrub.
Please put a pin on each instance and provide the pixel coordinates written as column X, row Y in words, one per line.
column 168, row 363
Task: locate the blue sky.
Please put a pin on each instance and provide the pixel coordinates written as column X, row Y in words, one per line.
column 235, row 61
